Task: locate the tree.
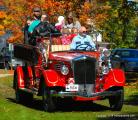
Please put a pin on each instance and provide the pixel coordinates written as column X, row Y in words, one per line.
column 115, row 19
column 120, row 27
column 2, row 17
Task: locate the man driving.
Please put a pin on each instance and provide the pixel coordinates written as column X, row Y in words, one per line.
column 82, row 41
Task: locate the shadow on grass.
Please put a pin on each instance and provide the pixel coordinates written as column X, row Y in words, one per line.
column 66, row 106
column 35, row 104
column 132, row 100
column 131, row 77
column 129, row 81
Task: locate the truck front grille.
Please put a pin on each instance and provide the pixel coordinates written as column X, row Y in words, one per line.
column 84, row 69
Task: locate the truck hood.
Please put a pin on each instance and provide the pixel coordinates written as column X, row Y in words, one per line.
column 67, row 56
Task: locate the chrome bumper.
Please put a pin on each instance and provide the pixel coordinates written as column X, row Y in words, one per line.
column 63, row 94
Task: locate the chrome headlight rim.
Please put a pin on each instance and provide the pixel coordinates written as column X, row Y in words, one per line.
column 64, row 70
column 105, row 70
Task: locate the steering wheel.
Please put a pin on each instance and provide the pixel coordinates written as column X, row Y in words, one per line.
column 84, row 47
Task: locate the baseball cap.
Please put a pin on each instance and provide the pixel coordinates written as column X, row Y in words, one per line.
column 37, row 9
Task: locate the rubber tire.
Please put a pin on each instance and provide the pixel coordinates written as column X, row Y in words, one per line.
column 116, row 102
column 49, row 104
column 21, row 96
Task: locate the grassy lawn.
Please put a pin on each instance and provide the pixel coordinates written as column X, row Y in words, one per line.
column 99, row 110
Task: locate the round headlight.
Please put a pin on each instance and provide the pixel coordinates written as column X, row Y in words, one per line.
column 105, row 70
column 64, row 70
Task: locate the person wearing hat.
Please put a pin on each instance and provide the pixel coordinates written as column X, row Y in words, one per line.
column 61, row 21
column 37, row 13
column 33, row 22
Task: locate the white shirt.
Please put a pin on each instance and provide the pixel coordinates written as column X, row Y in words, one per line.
column 83, row 41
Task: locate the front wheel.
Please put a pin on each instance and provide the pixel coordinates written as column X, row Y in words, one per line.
column 116, row 102
column 48, row 101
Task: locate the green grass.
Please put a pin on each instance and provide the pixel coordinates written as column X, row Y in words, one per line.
column 9, row 110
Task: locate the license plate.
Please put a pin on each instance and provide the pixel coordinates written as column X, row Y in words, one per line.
column 72, row 87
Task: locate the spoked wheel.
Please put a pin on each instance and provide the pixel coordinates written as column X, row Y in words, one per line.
column 48, row 100
column 116, row 102
column 21, row 96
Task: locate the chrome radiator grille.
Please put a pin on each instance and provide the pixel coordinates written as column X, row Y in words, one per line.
column 84, row 69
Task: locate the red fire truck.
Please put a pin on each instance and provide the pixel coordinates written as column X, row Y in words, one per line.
column 55, row 71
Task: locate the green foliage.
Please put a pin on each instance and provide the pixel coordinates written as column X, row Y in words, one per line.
column 117, row 19
column 120, row 27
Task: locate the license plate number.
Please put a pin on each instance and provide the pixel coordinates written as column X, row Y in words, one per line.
column 72, row 87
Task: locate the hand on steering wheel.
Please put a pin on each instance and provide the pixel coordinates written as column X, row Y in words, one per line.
column 84, row 47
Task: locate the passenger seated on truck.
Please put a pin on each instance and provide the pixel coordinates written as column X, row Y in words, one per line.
column 66, row 40
column 82, row 41
column 44, row 29
column 74, row 32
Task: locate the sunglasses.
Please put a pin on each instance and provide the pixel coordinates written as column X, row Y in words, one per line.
column 84, row 31
column 36, row 11
column 70, row 18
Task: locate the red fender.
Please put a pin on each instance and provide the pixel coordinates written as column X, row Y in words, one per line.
column 20, row 77
column 52, row 78
column 30, row 75
column 115, row 77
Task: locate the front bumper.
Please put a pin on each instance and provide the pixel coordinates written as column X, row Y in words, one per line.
column 85, row 94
